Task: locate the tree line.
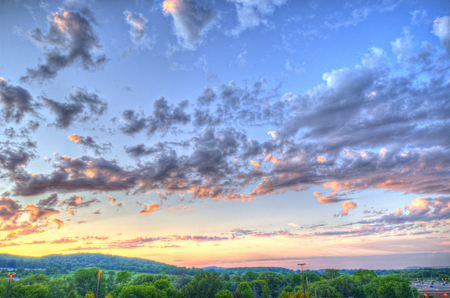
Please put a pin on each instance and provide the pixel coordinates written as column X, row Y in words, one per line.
column 209, row 284
column 64, row 264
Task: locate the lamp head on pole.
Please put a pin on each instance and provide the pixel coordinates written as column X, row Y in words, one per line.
column 304, row 264
column 99, row 273
column 11, row 275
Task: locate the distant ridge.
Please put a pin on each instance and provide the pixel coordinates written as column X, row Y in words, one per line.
column 213, row 268
column 426, row 267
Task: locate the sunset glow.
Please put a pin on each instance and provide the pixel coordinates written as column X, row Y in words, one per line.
column 227, row 133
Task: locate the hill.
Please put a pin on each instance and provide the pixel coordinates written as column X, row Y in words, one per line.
column 63, row 263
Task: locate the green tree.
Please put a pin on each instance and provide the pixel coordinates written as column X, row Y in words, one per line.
column 331, row 273
column 388, row 286
column 36, row 279
column 73, row 294
column 275, row 282
column 250, row 276
column 85, row 280
column 348, row 286
column 141, row 291
column 243, row 286
column 59, row 287
column 143, row 278
column 323, row 289
column 123, row 277
column 260, row 288
column 224, row 294
column 203, row 285
column 365, row 276
column 31, row 291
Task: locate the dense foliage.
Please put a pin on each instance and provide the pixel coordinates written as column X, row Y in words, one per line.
column 85, row 282
column 76, row 276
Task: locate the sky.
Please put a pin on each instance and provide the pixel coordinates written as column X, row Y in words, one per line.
column 227, row 133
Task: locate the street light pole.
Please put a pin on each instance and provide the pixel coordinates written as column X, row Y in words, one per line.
column 303, row 280
column 10, row 277
column 98, row 281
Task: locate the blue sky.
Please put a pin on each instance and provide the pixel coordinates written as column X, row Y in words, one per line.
column 231, row 133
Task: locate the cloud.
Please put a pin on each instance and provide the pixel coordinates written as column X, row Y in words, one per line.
column 441, row 28
column 97, row 212
column 420, row 210
column 321, row 159
column 88, row 142
column 332, row 198
column 12, row 159
column 16, row 102
column 360, row 14
column 207, row 97
column 77, row 202
column 252, row 13
column 403, row 48
column 37, row 213
column 346, row 206
column 138, row 29
column 69, row 40
column 9, row 209
column 112, row 200
column 365, row 230
column 28, row 220
column 164, row 119
column 58, row 222
column 417, row 16
column 49, row 202
column 74, row 174
column 85, row 248
column 64, row 240
column 191, row 20
column 371, row 134
column 149, row 208
column 79, row 100
column 141, row 150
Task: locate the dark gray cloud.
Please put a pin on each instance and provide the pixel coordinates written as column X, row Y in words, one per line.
column 22, row 132
column 365, row 127
column 141, row 150
column 79, row 174
column 11, row 159
column 70, row 111
column 89, row 143
column 49, row 202
column 191, row 20
column 69, row 40
column 9, row 209
column 208, row 96
column 16, row 102
column 165, row 118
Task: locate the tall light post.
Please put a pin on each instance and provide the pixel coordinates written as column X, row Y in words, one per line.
column 98, row 281
column 10, row 277
column 303, row 280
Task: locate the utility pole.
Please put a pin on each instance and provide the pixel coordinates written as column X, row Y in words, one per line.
column 303, row 280
column 10, row 277
column 98, row 281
